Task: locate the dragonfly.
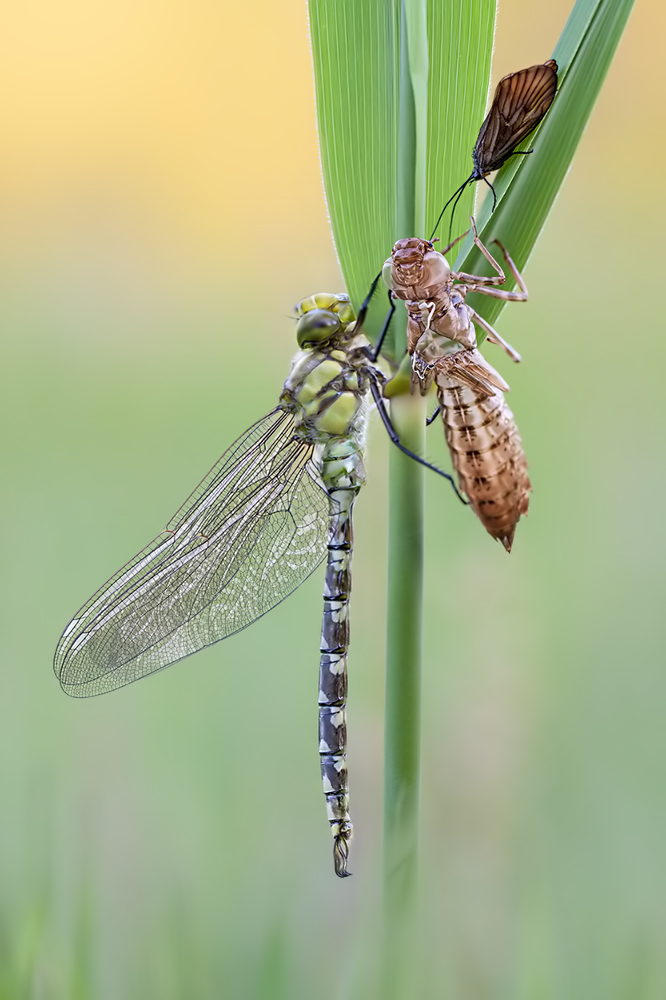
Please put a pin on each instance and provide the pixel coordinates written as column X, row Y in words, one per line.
column 480, row 430
column 520, row 103
column 277, row 503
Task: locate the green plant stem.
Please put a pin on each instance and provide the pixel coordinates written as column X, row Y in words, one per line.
column 406, row 543
column 403, row 666
column 406, row 194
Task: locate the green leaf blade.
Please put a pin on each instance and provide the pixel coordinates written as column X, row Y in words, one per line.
column 458, row 94
column 356, row 49
column 525, row 200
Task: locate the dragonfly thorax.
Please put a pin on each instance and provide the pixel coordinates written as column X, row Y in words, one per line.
column 325, row 392
column 327, row 387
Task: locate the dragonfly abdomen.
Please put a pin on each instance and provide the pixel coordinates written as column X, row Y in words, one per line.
column 343, row 475
column 487, row 454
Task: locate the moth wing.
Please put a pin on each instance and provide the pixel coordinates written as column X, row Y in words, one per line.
column 521, row 100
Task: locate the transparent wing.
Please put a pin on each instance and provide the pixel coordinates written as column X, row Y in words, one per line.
column 251, row 532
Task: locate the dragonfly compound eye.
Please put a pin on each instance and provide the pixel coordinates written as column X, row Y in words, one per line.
column 317, row 326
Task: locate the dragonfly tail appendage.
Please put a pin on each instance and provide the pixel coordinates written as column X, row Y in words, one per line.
column 333, row 674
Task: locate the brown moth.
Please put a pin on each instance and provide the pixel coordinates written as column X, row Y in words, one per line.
column 521, row 101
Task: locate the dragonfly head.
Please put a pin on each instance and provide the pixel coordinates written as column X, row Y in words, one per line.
column 323, row 318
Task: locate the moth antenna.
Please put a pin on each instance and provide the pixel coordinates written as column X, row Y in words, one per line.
column 455, row 204
column 459, row 194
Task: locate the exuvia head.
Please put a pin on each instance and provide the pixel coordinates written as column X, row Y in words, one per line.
column 415, row 264
column 322, row 318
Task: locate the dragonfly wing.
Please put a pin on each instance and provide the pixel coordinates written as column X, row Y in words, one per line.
column 520, row 102
column 251, row 532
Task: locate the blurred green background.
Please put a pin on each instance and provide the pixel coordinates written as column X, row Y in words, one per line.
column 161, row 214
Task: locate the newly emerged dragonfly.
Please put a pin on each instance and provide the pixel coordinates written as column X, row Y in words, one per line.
column 480, row 430
column 521, row 101
column 276, row 503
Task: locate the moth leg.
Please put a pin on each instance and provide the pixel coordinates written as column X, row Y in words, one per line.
column 433, row 417
column 493, row 335
column 486, row 181
column 478, row 279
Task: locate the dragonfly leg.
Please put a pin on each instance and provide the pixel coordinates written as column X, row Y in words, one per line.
column 385, row 328
column 365, row 305
column 494, row 337
column 395, row 438
column 372, row 353
column 431, row 419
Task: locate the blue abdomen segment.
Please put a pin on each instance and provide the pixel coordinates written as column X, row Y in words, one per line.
column 343, row 476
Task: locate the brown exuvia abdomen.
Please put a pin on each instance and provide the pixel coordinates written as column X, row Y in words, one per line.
column 487, row 454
